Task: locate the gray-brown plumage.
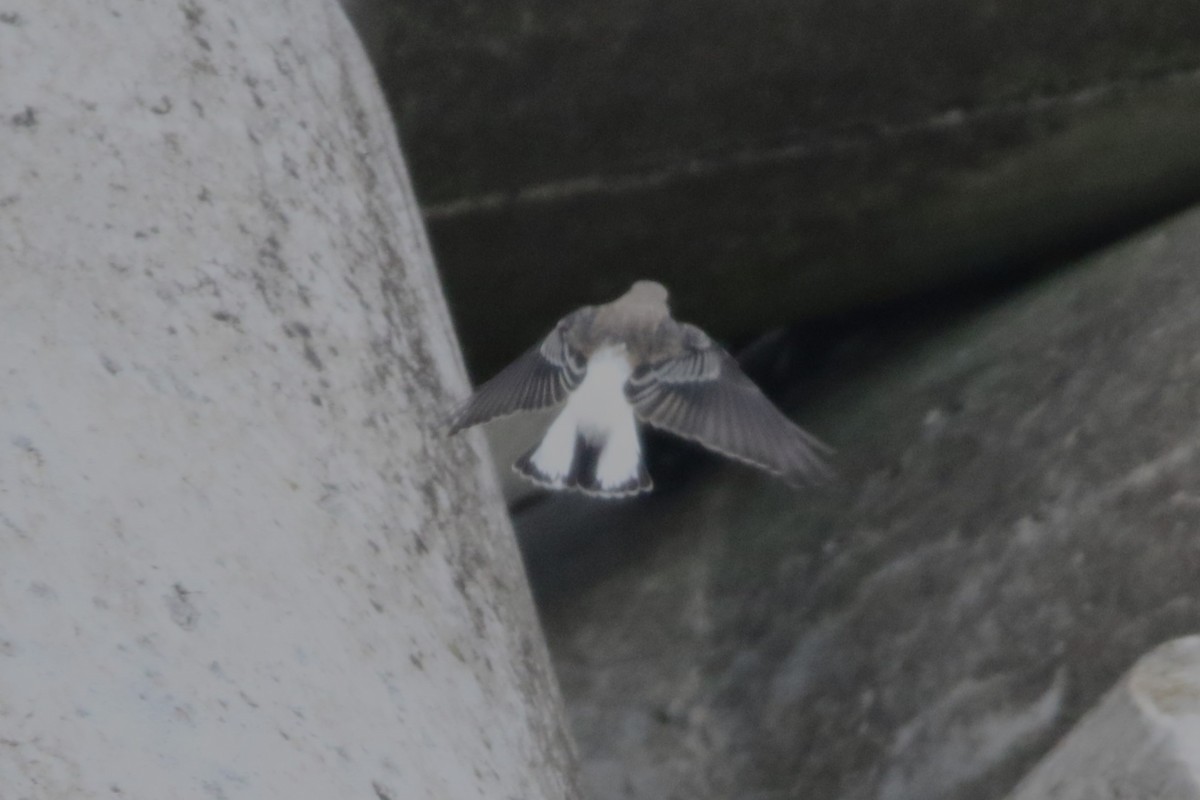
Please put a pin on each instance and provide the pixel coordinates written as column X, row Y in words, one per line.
column 629, row 360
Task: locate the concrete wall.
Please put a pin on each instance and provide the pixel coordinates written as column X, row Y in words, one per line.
column 237, row 557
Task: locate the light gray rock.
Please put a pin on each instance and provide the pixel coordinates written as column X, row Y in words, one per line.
column 237, row 560
column 1014, row 524
column 1142, row 741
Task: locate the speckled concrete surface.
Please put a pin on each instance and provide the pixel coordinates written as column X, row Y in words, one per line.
column 237, row 559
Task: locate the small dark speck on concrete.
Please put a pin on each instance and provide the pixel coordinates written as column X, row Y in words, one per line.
column 110, row 365
column 179, row 606
column 42, row 591
column 11, row 18
column 268, row 255
column 25, row 444
column 290, row 166
column 26, row 119
column 380, row 792
column 311, row 355
column 225, row 316
column 193, row 13
column 163, row 106
column 293, row 329
column 205, row 195
column 316, row 400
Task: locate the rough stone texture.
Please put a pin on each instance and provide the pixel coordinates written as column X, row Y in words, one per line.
column 236, row 558
column 1143, row 741
column 837, row 153
column 1015, row 522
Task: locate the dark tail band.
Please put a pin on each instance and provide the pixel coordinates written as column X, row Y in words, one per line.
column 582, row 476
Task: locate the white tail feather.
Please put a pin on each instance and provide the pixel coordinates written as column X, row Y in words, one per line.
column 593, row 444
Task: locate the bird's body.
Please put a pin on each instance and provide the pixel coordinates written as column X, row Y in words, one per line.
column 628, row 361
column 593, row 443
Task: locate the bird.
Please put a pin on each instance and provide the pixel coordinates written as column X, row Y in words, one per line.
column 615, row 366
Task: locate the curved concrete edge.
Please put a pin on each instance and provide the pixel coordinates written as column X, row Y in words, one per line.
column 1141, row 741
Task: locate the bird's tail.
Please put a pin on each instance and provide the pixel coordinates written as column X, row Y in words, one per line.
column 594, row 469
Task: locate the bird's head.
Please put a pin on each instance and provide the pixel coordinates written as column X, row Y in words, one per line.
column 644, row 299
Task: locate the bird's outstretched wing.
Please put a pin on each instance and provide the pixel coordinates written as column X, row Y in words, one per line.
column 540, row 378
column 703, row 396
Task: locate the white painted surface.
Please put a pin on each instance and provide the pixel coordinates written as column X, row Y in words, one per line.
column 236, row 558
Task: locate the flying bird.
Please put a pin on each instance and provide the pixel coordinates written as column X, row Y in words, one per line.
column 626, row 362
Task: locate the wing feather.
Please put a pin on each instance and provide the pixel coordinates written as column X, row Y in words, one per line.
column 542, row 377
column 703, row 395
